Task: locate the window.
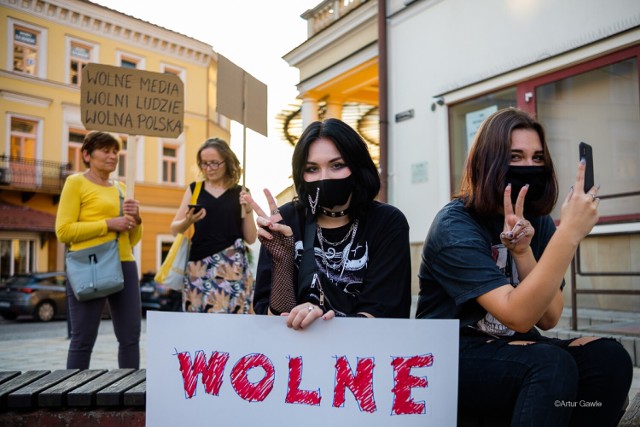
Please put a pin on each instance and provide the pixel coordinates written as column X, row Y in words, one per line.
column 17, row 256
column 596, row 102
column 74, row 150
column 122, row 158
column 25, row 50
column 23, row 138
column 169, row 164
column 126, row 63
column 169, row 69
column 464, row 119
column 129, row 60
column 80, row 54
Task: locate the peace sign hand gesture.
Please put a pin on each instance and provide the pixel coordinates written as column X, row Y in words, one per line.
column 277, row 238
column 518, row 232
column 267, row 224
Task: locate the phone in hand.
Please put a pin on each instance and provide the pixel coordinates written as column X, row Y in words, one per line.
column 586, row 152
column 196, row 208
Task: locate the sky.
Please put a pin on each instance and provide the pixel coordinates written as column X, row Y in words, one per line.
column 255, row 35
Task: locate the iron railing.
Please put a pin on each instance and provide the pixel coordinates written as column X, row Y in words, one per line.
column 577, row 270
column 31, row 175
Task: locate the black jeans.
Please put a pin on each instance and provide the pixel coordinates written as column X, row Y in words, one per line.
column 547, row 383
column 126, row 315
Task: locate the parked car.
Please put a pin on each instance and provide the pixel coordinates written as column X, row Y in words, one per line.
column 156, row 296
column 41, row 295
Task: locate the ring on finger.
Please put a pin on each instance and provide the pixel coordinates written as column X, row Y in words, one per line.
column 275, row 211
column 593, row 196
column 310, row 308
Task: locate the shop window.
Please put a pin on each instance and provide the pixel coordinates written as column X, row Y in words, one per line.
column 464, row 119
column 596, row 103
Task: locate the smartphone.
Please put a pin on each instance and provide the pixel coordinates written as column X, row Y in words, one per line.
column 586, row 153
column 196, row 208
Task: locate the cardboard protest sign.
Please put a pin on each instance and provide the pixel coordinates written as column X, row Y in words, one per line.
column 241, row 97
column 136, row 102
column 206, row 369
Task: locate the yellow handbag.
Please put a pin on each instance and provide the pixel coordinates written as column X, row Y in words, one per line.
column 173, row 267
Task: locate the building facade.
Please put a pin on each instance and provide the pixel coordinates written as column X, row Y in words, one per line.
column 43, row 48
column 444, row 65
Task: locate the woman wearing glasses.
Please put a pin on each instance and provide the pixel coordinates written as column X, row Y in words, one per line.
column 218, row 278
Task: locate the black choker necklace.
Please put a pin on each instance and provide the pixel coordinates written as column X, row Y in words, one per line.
column 333, row 214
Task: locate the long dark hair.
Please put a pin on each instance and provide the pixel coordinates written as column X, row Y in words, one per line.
column 355, row 153
column 233, row 171
column 483, row 180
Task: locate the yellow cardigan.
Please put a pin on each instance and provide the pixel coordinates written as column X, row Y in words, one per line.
column 82, row 213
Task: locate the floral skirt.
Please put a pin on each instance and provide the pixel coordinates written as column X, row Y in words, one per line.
column 220, row 283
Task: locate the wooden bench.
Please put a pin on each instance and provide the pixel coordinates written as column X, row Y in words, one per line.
column 631, row 417
column 73, row 397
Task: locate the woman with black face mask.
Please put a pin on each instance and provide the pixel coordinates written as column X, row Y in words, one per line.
column 494, row 259
column 334, row 250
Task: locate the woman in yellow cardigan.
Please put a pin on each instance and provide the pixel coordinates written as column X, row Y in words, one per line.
column 88, row 215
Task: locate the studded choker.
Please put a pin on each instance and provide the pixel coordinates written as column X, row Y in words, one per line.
column 333, row 214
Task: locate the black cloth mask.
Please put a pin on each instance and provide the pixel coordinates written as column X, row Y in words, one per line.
column 519, row 176
column 329, row 192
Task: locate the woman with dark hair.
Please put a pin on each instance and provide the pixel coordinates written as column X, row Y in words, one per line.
column 334, row 250
column 89, row 214
column 218, row 278
column 494, row 259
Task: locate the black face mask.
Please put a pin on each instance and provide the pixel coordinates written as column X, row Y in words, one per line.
column 519, row 176
column 328, row 192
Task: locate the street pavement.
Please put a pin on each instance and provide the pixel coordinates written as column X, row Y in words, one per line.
column 45, row 348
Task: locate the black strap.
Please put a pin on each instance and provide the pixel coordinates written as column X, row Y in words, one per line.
column 121, row 198
column 308, row 267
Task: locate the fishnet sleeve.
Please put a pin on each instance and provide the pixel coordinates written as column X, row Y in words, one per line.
column 283, row 296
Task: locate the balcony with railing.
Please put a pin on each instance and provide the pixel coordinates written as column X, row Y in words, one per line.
column 328, row 12
column 31, row 176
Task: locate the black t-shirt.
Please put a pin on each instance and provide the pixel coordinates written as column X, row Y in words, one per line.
column 376, row 271
column 463, row 258
column 222, row 225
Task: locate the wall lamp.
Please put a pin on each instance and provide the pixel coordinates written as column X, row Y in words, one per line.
column 438, row 100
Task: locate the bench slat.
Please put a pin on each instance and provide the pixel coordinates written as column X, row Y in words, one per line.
column 15, row 383
column 55, row 397
column 137, row 395
column 113, row 395
column 7, row 375
column 631, row 417
column 85, row 395
column 26, row 396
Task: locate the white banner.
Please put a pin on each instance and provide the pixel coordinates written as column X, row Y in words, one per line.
column 214, row 369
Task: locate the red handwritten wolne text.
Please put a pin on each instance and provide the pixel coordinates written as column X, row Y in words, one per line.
column 359, row 382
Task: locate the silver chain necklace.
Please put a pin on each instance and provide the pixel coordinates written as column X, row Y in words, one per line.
column 321, row 238
column 340, row 265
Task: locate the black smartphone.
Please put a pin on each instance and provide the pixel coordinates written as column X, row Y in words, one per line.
column 586, row 152
column 196, row 208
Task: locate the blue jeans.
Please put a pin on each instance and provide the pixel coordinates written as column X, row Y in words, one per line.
column 547, row 383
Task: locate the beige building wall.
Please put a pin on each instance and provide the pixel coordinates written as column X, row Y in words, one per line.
column 49, row 98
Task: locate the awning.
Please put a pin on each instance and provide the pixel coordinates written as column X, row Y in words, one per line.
column 20, row 218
